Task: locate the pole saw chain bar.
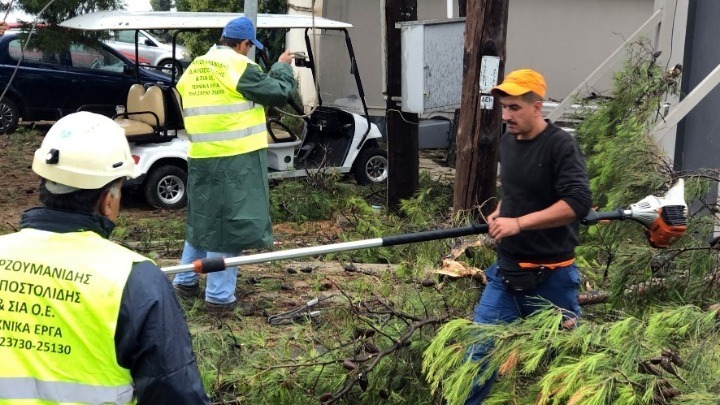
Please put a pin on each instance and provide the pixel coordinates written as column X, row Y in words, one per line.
column 663, row 218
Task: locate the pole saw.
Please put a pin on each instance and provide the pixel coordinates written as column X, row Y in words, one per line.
column 663, row 218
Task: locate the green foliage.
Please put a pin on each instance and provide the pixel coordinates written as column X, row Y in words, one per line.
column 52, row 37
column 427, row 209
column 671, row 352
column 652, row 351
column 199, row 43
column 151, row 237
column 294, row 123
column 310, row 198
column 298, row 363
column 623, row 160
column 626, row 165
column 161, row 5
column 61, row 10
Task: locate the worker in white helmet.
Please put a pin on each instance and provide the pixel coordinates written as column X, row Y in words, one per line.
column 85, row 320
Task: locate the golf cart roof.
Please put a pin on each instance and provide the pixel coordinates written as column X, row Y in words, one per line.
column 127, row 20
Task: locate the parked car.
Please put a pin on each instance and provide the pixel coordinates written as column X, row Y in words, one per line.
column 50, row 84
column 151, row 48
column 131, row 56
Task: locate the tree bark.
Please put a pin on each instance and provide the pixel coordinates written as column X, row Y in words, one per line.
column 452, row 148
column 478, row 133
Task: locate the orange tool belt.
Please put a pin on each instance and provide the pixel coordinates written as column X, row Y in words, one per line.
column 549, row 266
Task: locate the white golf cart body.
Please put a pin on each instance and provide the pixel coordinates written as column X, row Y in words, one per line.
column 288, row 158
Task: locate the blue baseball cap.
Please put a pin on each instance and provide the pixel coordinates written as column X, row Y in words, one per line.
column 241, row 28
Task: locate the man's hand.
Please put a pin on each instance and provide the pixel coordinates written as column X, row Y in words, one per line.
column 492, row 217
column 286, row 57
column 3, row 27
column 502, row 227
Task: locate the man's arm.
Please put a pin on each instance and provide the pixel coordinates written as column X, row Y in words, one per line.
column 152, row 341
column 272, row 89
column 558, row 214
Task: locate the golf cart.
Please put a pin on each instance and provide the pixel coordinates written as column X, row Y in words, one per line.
column 330, row 138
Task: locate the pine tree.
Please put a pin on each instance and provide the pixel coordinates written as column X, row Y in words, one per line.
column 652, row 343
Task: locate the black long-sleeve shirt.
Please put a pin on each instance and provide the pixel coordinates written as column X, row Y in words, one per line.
column 536, row 174
column 151, row 338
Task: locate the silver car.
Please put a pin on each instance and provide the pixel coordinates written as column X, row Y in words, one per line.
column 151, row 50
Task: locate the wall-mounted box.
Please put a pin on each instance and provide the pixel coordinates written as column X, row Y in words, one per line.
column 432, row 64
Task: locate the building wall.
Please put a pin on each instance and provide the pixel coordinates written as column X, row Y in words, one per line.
column 698, row 142
column 563, row 39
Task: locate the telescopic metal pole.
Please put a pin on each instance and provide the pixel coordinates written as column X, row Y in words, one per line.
column 250, row 10
column 219, row 264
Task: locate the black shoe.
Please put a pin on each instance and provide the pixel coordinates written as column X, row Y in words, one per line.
column 188, row 291
column 220, row 309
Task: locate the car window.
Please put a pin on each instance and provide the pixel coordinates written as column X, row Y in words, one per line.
column 91, row 58
column 129, row 37
column 32, row 55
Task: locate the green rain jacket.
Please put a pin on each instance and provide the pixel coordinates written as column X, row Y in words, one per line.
column 228, row 197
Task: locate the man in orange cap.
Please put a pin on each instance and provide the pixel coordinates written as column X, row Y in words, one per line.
column 545, row 192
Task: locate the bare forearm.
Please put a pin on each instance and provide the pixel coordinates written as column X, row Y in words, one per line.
column 558, row 214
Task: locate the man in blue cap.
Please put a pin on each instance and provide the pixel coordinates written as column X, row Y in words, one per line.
column 223, row 94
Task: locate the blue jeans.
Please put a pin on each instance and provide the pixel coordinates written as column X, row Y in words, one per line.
column 499, row 305
column 220, row 285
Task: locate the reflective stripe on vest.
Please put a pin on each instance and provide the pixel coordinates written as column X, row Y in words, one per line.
column 65, row 392
column 229, row 135
column 219, row 120
column 218, row 109
column 61, row 295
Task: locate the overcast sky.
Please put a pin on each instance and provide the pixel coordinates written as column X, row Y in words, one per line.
column 138, row 5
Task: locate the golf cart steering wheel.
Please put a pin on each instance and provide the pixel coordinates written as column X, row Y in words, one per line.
column 293, row 137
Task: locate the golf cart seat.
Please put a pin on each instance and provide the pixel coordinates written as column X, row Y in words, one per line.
column 281, row 147
column 281, row 136
column 144, row 116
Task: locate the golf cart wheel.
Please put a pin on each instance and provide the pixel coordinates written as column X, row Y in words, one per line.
column 371, row 166
column 166, row 187
column 166, row 65
column 9, row 116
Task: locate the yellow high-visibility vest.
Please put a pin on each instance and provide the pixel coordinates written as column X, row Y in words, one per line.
column 220, row 121
column 59, row 303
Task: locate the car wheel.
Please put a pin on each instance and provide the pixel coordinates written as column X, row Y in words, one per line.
column 166, row 64
column 371, row 166
column 9, row 116
column 166, row 187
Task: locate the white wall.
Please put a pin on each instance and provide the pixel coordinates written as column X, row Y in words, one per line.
column 564, row 39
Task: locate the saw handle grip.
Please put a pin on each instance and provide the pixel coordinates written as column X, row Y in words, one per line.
column 594, row 217
column 209, row 265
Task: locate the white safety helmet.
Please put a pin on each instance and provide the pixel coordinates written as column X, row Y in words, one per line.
column 84, row 150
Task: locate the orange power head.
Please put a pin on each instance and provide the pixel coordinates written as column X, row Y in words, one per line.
column 664, row 218
column 669, row 226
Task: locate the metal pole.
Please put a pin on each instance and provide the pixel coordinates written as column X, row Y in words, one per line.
column 401, row 127
column 250, row 10
column 219, row 264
